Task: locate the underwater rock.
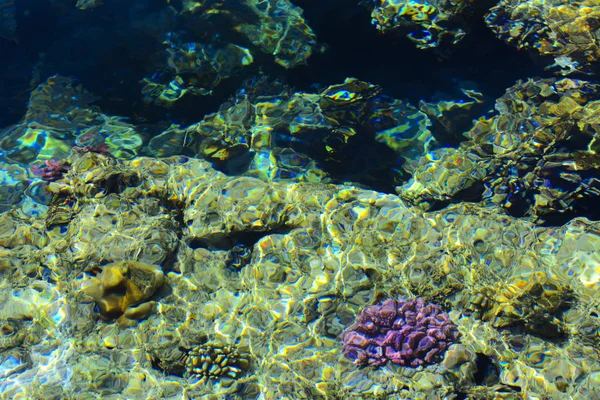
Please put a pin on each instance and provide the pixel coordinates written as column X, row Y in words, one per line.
column 268, row 129
column 112, row 230
column 451, row 118
column 12, row 333
column 536, row 157
column 535, row 300
column 60, row 115
column 197, row 60
column 274, row 26
column 13, row 183
column 265, row 121
column 278, row 28
column 110, row 211
column 272, row 165
column 17, row 232
column 218, row 209
column 122, row 288
column 405, row 332
column 428, row 24
column 565, row 31
column 57, row 109
column 195, row 68
column 400, row 126
column 441, row 176
column 98, row 175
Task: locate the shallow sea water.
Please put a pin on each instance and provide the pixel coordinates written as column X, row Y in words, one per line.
column 283, row 199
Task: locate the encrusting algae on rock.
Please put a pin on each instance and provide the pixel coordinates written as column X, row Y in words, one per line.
column 536, row 156
column 122, row 289
column 564, row 30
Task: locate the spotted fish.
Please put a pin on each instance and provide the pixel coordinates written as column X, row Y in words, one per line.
column 8, row 22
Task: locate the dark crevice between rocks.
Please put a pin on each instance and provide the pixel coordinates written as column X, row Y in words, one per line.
column 226, row 241
column 171, row 261
column 472, row 194
column 236, row 165
column 172, row 368
column 518, row 204
column 361, row 160
column 118, row 182
column 238, row 245
column 165, row 290
column 584, row 205
column 487, row 373
column 546, row 331
column 176, row 209
column 238, row 257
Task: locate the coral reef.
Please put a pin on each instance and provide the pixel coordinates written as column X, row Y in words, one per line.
column 275, row 134
column 248, row 253
column 199, row 264
column 405, row 332
column 193, row 68
column 426, row 23
column 536, row 157
column 196, row 60
column 565, row 31
column 313, row 256
column 60, row 115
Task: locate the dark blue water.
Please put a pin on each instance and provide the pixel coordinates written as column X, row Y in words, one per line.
column 112, row 47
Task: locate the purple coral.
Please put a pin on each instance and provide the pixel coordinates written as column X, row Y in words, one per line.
column 405, row 332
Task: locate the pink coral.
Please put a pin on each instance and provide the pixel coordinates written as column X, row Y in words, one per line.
column 52, row 171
